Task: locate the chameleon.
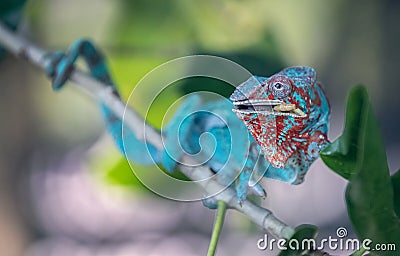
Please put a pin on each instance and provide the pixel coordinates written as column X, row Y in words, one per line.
column 271, row 127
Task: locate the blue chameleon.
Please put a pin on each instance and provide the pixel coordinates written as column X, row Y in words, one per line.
column 272, row 127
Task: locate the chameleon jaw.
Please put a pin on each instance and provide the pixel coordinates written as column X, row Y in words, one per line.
column 267, row 107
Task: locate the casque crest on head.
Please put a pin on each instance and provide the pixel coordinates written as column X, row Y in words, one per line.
column 276, row 111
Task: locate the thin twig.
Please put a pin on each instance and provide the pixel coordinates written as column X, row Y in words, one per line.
column 261, row 216
column 218, row 223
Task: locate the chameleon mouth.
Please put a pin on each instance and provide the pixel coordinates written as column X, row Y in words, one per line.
column 267, row 107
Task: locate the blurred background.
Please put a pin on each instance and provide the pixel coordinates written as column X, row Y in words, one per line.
column 64, row 188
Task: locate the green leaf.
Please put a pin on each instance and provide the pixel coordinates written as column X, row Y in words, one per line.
column 360, row 252
column 369, row 195
column 396, row 189
column 304, row 232
column 341, row 155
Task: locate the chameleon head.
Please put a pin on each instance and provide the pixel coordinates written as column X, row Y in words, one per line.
column 282, row 112
column 283, row 94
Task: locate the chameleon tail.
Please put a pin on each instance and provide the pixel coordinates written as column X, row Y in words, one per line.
column 59, row 68
column 177, row 131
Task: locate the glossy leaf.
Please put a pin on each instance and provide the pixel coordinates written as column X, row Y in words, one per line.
column 369, row 195
column 341, row 155
column 396, row 191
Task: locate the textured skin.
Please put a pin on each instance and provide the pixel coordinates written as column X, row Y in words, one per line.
column 211, row 132
column 290, row 144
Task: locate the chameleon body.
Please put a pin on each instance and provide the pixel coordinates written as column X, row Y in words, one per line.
column 273, row 127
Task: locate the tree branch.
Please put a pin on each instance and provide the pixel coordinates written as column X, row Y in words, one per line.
column 35, row 55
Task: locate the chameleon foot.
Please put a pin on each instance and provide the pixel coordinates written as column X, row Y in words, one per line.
column 258, row 190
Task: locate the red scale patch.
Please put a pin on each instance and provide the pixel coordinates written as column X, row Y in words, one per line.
column 268, row 132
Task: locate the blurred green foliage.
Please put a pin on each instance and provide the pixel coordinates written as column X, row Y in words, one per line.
column 259, row 35
column 396, row 191
column 10, row 14
column 11, row 11
column 359, row 155
column 121, row 174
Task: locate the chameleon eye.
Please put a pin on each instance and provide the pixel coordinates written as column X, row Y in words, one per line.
column 280, row 89
column 278, row 86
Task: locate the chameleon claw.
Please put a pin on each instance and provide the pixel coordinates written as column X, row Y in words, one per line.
column 241, row 201
column 61, row 78
column 58, row 69
column 264, row 195
column 258, row 190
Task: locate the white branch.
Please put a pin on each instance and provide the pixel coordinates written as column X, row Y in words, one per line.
column 261, row 216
